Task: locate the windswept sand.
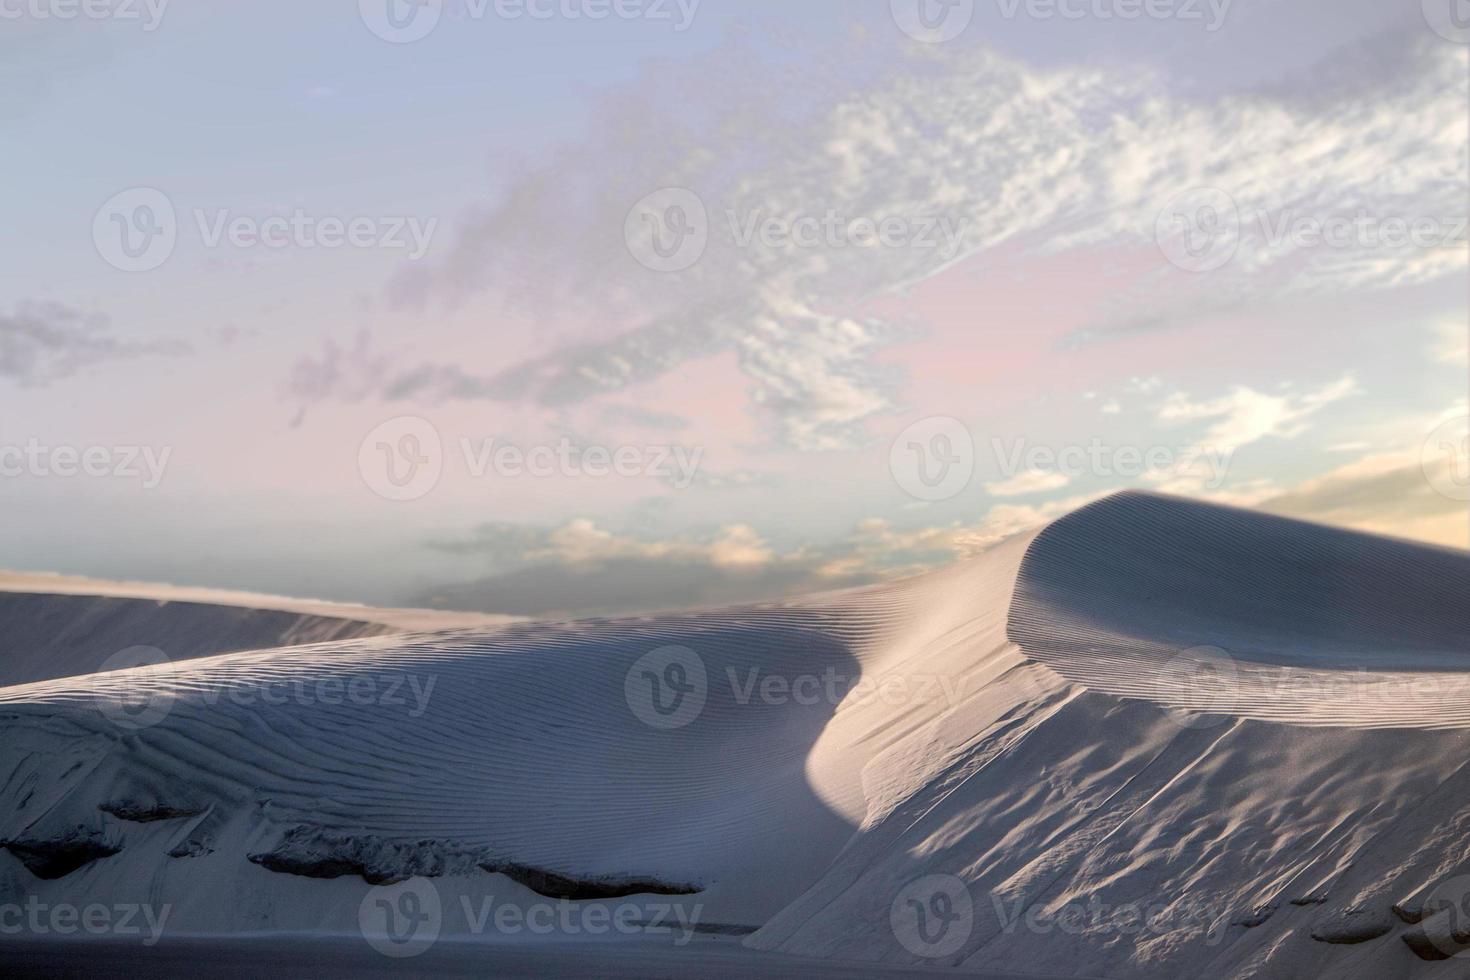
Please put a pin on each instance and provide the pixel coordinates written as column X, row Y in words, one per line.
column 1248, row 730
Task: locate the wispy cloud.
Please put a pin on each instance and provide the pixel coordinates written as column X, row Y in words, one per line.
column 43, row 342
column 1006, row 154
column 1245, row 415
column 1031, row 481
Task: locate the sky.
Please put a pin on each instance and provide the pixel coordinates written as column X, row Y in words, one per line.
column 564, row 307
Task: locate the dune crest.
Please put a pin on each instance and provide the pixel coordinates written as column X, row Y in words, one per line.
column 1149, row 705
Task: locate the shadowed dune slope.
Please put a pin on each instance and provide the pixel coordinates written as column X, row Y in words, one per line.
column 1252, row 725
column 45, row 635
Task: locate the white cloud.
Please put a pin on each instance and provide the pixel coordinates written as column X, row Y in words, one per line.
column 1013, row 155
column 1245, row 415
column 1031, row 481
column 1452, row 342
column 580, row 543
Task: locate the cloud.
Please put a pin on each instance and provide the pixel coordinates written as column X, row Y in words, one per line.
column 581, row 544
column 1031, row 481
column 578, row 568
column 1452, row 342
column 582, row 569
column 1002, row 153
column 1381, row 494
column 643, row 418
column 1245, row 415
column 44, row 342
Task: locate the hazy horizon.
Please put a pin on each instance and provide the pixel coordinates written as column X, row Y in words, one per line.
column 708, row 302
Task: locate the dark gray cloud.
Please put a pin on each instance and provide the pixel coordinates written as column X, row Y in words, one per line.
column 43, row 342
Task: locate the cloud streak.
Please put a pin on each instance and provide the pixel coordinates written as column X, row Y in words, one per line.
column 45, row 342
column 1039, row 161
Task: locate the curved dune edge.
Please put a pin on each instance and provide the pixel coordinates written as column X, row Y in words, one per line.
column 1215, row 610
column 45, row 636
column 1019, row 722
column 56, row 584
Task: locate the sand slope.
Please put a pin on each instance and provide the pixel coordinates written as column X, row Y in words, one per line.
column 1250, row 728
column 66, row 626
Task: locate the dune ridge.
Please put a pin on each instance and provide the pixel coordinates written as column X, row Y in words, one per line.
column 1040, row 725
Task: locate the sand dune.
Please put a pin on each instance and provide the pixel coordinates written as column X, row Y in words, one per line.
column 1247, row 731
column 65, row 626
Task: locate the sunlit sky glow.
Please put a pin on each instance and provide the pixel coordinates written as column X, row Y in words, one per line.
column 1036, row 292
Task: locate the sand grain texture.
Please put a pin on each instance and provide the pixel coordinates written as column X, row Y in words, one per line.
column 1253, row 729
